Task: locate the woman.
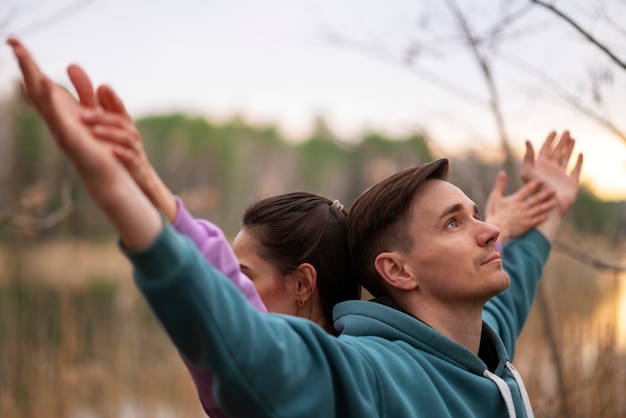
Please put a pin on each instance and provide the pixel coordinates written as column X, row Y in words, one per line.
column 290, row 257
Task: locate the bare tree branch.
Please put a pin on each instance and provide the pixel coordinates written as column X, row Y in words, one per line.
column 582, row 31
column 504, row 24
column 485, row 67
column 46, row 21
column 9, row 212
column 562, row 92
column 16, row 214
column 585, row 258
column 446, row 85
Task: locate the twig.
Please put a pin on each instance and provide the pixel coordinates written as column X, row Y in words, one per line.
column 582, row 31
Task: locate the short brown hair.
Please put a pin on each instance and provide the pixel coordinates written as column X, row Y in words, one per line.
column 377, row 221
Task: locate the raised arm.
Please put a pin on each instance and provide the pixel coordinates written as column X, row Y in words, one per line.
column 112, row 124
column 107, row 181
column 525, row 258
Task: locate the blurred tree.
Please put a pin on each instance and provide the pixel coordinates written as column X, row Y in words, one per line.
column 323, row 162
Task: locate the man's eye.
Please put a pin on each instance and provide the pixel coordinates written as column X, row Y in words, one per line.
column 451, row 224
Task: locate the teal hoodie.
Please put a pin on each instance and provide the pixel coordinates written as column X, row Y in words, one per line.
column 385, row 363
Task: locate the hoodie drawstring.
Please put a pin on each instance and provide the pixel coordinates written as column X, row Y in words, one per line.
column 506, row 392
column 520, row 383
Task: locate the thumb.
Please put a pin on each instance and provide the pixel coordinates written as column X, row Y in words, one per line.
column 500, row 184
column 496, row 194
column 528, row 162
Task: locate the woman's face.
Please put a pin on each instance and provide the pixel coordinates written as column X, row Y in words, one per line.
column 276, row 291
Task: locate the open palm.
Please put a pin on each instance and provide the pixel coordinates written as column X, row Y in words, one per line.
column 550, row 166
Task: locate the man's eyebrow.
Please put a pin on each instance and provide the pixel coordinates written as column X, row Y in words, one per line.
column 477, row 211
column 450, row 209
column 456, row 208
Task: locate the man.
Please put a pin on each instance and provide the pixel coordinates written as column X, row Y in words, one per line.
column 386, row 362
column 417, row 243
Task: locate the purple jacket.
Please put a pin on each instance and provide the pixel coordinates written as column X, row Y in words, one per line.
column 214, row 246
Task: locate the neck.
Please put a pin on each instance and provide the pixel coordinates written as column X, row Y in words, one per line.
column 322, row 322
column 462, row 324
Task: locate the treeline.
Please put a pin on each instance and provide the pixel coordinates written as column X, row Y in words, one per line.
column 219, row 169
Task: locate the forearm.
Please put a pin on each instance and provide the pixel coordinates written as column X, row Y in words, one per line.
column 160, row 195
column 136, row 220
column 550, row 227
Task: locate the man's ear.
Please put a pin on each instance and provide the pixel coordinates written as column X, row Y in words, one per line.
column 305, row 278
column 393, row 268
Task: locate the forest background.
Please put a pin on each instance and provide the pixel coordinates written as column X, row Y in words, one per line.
column 77, row 340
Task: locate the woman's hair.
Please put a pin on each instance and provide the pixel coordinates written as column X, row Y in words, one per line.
column 302, row 227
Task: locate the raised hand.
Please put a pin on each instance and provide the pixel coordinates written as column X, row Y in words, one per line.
column 112, row 124
column 518, row 212
column 61, row 113
column 106, row 180
column 550, row 165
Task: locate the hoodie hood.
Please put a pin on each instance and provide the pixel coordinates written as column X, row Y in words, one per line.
column 366, row 318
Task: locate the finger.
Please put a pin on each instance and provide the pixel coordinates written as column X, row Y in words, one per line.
column 25, row 94
column 500, row 183
column 538, row 218
column 575, row 174
column 544, row 195
column 561, row 143
column 494, row 197
column 563, row 149
column 100, row 117
column 528, row 162
column 110, row 100
column 529, row 189
column 546, row 148
column 567, row 153
column 125, row 156
column 543, row 208
column 34, row 79
column 83, row 86
column 112, row 134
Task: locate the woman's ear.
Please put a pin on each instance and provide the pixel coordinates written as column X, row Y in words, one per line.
column 394, row 269
column 305, row 282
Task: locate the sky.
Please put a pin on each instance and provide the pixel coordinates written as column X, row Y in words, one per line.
column 279, row 62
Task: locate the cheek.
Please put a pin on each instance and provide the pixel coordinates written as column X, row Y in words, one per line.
column 274, row 296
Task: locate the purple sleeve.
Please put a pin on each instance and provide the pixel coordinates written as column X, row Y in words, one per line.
column 212, row 243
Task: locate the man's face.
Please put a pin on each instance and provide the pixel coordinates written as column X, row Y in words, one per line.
column 454, row 254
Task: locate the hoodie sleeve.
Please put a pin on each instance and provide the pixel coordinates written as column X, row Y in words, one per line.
column 524, row 259
column 211, row 242
column 264, row 364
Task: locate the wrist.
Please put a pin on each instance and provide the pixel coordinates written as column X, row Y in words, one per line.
column 161, row 196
